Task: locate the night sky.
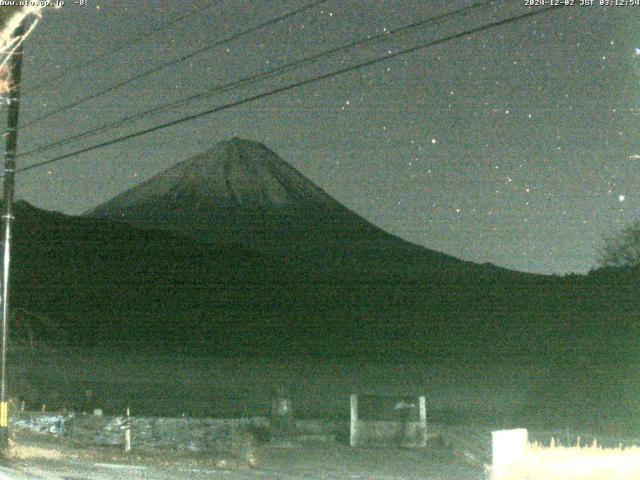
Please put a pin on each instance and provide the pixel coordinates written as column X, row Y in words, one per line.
column 516, row 145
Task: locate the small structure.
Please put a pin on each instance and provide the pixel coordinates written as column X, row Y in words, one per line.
column 377, row 419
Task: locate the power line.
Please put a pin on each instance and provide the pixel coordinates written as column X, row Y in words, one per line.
column 288, row 87
column 113, row 50
column 260, row 76
column 180, row 59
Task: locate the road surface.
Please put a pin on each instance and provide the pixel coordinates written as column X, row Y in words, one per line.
column 317, row 462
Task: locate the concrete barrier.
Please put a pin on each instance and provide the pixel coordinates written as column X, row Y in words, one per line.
column 507, row 448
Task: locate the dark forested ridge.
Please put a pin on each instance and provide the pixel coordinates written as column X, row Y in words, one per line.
column 104, row 282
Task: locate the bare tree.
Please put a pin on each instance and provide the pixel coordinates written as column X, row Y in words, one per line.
column 10, row 18
column 31, row 328
column 622, row 249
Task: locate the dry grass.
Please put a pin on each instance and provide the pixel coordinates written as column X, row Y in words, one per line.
column 32, row 446
column 26, row 445
column 25, row 452
column 574, row 463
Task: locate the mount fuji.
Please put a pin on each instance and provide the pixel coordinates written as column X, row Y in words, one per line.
column 240, row 192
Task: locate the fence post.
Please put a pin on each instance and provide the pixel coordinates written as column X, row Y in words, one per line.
column 422, row 440
column 353, row 437
column 282, row 420
column 127, row 432
column 507, row 447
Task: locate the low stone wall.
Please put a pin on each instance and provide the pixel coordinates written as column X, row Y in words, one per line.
column 382, row 432
column 52, row 424
column 147, row 432
column 195, row 434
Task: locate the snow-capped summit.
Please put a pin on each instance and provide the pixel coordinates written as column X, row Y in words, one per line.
column 234, row 174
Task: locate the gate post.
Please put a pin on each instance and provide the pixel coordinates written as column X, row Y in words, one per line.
column 353, row 438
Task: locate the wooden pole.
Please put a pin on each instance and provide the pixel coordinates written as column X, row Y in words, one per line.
column 15, row 67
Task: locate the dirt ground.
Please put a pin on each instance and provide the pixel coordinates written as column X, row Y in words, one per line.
column 36, row 456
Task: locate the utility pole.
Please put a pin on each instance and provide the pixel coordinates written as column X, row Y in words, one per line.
column 15, row 68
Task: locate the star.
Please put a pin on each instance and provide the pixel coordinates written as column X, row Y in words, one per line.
column 637, row 51
column 621, row 198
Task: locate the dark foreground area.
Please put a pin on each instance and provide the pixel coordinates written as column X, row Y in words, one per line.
column 460, row 453
column 38, row 457
column 546, row 393
column 467, row 398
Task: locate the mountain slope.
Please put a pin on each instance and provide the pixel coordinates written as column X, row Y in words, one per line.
column 103, row 281
column 239, row 191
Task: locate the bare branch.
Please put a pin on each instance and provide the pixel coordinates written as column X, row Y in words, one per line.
column 621, row 249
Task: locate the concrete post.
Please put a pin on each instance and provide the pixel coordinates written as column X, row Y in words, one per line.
column 422, row 429
column 127, row 432
column 508, row 447
column 353, row 438
column 283, row 428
